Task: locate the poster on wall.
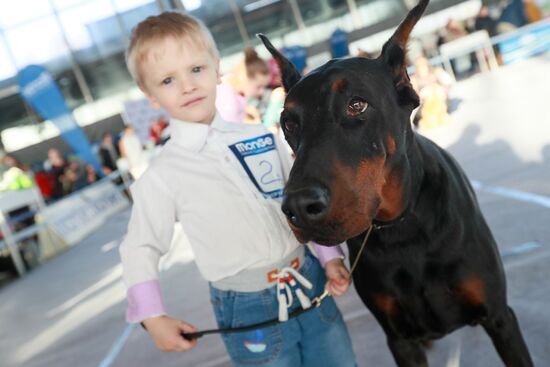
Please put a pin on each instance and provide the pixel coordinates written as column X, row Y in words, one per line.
column 141, row 116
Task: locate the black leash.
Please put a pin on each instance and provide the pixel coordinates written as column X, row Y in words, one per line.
column 316, row 302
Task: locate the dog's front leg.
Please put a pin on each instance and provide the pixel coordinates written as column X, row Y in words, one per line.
column 507, row 339
column 407, row 353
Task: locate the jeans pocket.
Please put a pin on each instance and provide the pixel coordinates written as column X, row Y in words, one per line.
column 254, row 347
column 328, row 311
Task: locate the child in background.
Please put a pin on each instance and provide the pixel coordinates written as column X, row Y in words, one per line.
column 432, row 85
column 131, row 149
column 223, row 182
column 247, row 81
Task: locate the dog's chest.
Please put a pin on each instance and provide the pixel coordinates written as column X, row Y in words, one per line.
column 417, row 295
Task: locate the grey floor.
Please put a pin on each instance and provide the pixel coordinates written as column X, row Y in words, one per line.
column 70, row 311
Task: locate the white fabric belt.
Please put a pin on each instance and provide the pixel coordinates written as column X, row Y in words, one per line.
column 257, row 279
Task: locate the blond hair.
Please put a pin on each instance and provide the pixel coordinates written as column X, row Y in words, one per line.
column 156, row 28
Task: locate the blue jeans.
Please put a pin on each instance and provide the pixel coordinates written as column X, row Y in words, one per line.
column 317, row 338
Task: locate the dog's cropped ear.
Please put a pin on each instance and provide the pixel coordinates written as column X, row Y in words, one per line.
column 289, row 74
column 394, row 55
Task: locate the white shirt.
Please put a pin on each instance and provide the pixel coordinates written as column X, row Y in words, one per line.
column 213, row 180
column 224, row 183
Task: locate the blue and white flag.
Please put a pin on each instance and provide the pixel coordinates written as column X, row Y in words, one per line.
column 40, row 90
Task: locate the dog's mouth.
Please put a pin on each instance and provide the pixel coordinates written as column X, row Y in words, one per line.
column 355, row 200
column 326, row 235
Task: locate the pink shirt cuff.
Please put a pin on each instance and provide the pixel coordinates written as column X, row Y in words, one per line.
column 325, row 254
column 144, row 301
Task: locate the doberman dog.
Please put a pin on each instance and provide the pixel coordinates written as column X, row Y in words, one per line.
column 431, row 264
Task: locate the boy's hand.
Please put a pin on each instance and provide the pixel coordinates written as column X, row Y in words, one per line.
column 338, row 277
column 166, row 333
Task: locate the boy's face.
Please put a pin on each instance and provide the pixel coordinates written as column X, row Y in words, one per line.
column 181, row 77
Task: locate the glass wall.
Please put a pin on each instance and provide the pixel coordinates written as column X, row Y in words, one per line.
column 15, row 112
column 323, row 17
column 7, row 64
column 97, row 33
column 87, row 38
column 67, row 37
column 375, row 11
column 219, row 17
column 276, row 19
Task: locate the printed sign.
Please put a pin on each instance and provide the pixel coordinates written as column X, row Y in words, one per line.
column 141, row 115
column 40, row 90
column 78, row 215
column 526, row 42
column 260, row 160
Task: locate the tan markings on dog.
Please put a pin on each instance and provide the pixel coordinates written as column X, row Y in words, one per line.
column 472, row 291
column 339, row 85
column 391, row 145
column 385, row 303
column 392, row 204
column 290, row 105
column 356, row 195
column 406, row 29
column 297, row 233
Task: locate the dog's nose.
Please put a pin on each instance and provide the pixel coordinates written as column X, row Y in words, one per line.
column 306, row 206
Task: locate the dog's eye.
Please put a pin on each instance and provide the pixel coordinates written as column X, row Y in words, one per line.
column 356, row 106
column 290, row 126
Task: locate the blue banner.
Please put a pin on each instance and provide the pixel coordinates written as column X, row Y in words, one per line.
column 297, row 55
column 339, row 44
column 528, row 41
column 40, row 90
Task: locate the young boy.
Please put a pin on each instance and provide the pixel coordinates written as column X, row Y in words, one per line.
column 223, row 182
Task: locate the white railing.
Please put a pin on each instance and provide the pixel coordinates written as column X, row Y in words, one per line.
column 87, row 209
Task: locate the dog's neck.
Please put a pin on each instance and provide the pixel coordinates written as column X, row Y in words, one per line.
column 409, row 172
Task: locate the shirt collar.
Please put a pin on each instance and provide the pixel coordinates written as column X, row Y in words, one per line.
column 193, row 135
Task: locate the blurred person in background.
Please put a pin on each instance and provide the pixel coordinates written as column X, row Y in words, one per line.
column 484, row 21
column 246, row 82
column 272, row 113
column 512, row 17
column 11, row 161
column 131, row 149
column 156, row 131
column 462, row 65
column 44, row 180
column 14, row 176
column 77, row 175
column 453, row 30
column 274, row 99
column 532, row 11
column 108, row 154
column 432, row 85
column 91, row 174
column 56, row 166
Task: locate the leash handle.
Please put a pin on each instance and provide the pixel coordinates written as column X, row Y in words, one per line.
column 191, row 336
column 187, row 336
column 316, row 302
